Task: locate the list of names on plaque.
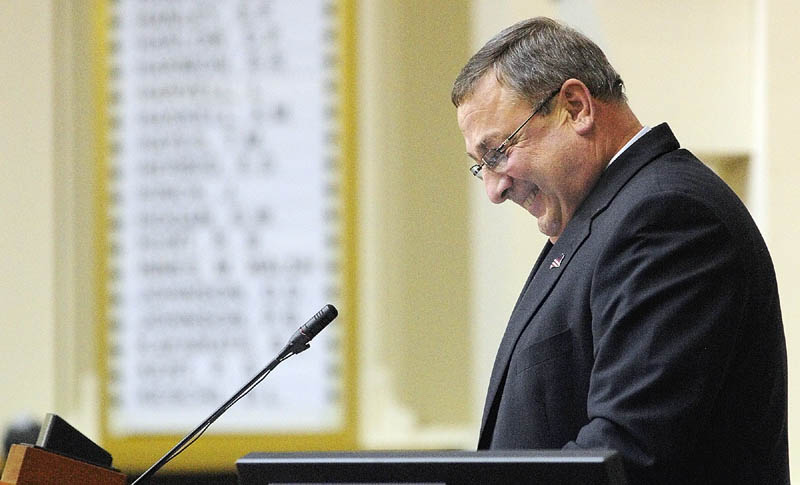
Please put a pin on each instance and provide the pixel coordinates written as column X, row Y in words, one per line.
column 224, row 213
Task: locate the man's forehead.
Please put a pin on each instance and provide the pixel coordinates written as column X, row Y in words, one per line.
column 487, row 92
column 481, row 114
column 490, row 95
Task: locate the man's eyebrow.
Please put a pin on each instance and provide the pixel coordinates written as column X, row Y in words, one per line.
column 483, row 146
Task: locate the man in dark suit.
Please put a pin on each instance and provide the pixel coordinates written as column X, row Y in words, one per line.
column 650, row 323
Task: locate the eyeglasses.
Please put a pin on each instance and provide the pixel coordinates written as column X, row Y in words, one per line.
column 497, row 156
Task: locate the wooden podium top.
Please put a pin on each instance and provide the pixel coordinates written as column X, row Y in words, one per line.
column 27, row 465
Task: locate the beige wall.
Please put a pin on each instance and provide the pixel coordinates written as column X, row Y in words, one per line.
column 440, row 267
column 781, row 178
column 414, row 231
column 27, row 220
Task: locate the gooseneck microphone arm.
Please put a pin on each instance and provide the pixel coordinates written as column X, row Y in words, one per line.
column 297, row 343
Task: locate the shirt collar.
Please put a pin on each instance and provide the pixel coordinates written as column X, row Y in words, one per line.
column 638, row 135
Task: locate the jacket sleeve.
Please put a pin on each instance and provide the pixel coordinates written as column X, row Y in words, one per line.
column 666, row 301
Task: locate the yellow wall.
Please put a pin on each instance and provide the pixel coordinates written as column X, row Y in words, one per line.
column 439, row 267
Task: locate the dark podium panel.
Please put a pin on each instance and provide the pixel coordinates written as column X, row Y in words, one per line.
column 592, row 467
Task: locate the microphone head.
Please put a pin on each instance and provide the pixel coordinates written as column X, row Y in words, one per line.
column 299, row 341
column 319, row 321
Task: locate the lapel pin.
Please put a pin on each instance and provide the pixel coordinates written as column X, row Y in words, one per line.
column 557, row 262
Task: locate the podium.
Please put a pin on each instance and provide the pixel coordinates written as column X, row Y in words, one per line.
column 29, row 465
column 62, row 456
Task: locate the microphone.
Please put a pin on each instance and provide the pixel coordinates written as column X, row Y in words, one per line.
column 300, row 339
column 298, row 342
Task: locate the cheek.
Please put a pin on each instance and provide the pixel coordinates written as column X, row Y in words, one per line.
column 553, row 204
column 519, row 166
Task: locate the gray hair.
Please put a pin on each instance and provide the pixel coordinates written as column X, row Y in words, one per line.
column 536, row 56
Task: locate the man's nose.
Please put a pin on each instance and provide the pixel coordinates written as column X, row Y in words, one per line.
column 497, row 186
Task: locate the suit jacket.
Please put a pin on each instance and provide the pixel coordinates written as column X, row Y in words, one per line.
column 651, row 327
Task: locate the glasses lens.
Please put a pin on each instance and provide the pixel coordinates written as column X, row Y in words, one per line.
column 493, row 158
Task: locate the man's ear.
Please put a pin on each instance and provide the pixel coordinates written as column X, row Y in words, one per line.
column 579, row 104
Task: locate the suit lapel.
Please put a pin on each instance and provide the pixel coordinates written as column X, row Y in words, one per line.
column 541, row 280
column 499, row 369
column 546, row 272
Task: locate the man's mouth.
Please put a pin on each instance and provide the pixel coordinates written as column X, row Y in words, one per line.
column 528, row 202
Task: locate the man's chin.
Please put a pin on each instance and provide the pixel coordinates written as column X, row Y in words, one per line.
column 549, row 227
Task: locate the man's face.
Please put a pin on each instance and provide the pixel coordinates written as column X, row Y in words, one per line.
column 537, row 174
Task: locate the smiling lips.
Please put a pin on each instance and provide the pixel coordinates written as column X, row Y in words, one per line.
column 529, row 200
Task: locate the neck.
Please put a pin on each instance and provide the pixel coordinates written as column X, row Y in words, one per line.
column 620, row 126
column 614, row 125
